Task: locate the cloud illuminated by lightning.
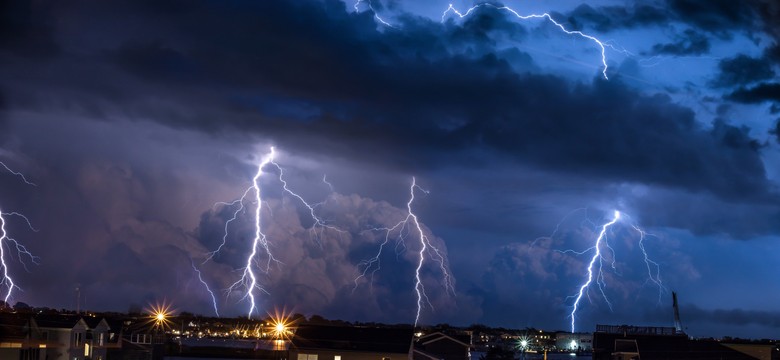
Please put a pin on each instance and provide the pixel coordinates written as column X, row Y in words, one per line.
column 602, row 45
column 370, row 7
column 595, row 268
column 653, row 268
column 260, row 244
column 7, row 241
column 248, row 278
column 402, row 229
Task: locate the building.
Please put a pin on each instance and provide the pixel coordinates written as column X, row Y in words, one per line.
column 15, row 339
column 350, row 343
column 648, row 343
column 573, row 341
column 440, row 346
column 56, row 337
column 65, row 336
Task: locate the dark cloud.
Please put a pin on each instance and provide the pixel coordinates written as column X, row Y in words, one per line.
column 770, row 12
column 734, row 317
column 25, row 29
column 690, row 42
column 154, row 61
column 773, row 52
column 720, row 17
column 136, row 131
column 609, row 18
column 716, row 16
column 756, row 94
column 3, row 115
column 776, row 130
column 704, row 215
column 743, row 70
column 429, row 87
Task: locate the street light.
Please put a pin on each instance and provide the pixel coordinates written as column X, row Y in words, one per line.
column 159, row 315
column 523, row 345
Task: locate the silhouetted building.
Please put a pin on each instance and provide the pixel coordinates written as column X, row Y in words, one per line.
column 56, row 337
column 664, row 343
column 350, row 343
column 440, row 346
column 15, row 339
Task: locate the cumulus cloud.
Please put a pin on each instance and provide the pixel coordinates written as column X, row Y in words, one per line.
column 318, row 269
column 547, row 273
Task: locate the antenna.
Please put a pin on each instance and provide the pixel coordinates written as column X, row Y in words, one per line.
column 78, row 298
column 677, row 323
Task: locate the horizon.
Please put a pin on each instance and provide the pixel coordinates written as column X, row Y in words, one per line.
column 297, row 319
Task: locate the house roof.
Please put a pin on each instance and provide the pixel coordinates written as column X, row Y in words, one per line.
column 57, row 321
column 419, row 354
column 343, row 338
column 427, row 339
column 93, row 321
column 115, row 325
column 12, row 326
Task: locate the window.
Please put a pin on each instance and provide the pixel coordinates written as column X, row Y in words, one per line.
column 77, row 338
column 101, row 339
column 307, row 356
column 30, row 354
column 337, row 357
column 141, row 338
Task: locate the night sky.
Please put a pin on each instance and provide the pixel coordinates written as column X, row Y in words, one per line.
column 135, row 119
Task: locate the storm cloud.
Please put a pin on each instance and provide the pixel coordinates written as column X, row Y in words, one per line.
column 138, row 119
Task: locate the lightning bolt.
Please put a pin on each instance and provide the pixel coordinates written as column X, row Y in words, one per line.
column 260, row 244
column 595, row 268
column 318, row 222
column 7, row 241
column 653, row 268
column 370, row 7
column 200, row 278
column 602, row 45
column 326, row 182
column 248, row 278
column 16, row 173
column 410, row 223
column 596, row 256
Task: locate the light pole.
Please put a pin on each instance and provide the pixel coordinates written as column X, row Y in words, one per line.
column 523, row 346
column 281, row 332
